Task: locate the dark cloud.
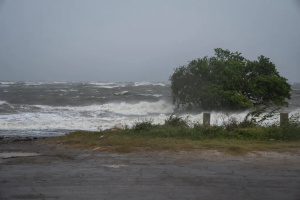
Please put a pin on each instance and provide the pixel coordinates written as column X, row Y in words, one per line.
column 140, row 40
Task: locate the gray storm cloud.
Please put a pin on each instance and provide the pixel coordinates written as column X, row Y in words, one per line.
column 135, row 40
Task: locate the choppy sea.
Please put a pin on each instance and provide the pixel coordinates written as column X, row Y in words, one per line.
column 44, row 109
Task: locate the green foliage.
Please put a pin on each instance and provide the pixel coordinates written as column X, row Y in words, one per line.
column 144, row 125
column 237, row 131
column 176, row 127
column 234, row 137
column 175, row 121
column 228, row 81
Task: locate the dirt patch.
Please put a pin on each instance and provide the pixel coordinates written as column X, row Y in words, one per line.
column 19, row 151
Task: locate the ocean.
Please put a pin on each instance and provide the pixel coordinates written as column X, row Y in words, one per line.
column 44, row 109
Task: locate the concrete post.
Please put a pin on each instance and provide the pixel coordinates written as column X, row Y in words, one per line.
column 206, row 119
column 284, row 118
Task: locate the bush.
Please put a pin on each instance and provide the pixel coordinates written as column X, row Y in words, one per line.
column 286, row 132
column 144, row 125
column 176, row 127
column 174, row 120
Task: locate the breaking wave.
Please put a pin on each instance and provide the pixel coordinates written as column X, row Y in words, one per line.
column 57, row 108
column 93, row 117
column 140, row 108
column 3, row 102
column 136, row 84
column 108, row 85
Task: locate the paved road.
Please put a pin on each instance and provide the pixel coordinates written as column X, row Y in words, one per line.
column 65, row 174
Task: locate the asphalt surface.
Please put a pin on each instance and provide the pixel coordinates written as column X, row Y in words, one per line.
column 53, row 172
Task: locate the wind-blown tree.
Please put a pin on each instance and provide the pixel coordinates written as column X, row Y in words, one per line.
column 228, row 81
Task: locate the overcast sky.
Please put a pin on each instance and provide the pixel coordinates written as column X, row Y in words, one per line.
column 139, row 40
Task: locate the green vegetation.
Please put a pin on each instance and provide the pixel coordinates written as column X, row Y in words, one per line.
column 228, row 81
column 175, row 135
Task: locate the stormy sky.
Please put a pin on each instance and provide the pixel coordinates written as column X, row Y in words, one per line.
column 140, row 40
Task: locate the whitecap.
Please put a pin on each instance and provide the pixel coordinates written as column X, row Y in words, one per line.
column 159, row 84
column 7, row 83
column 136, row 84
column 153, row 95
column 107, row 85
column 3, row 102
column 121, row 93
column 157, row 95
column 59, row 82
column 140, row 108
column 105, row 116
column 101, row 83
column 33, row 83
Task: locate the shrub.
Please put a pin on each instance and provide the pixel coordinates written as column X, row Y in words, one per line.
column 174, row 120
column 144, row 125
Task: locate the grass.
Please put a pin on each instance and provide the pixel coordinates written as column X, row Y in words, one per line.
column 236, row 139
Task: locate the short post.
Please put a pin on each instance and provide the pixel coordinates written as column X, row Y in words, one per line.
column 206, row 119
column 284, row 118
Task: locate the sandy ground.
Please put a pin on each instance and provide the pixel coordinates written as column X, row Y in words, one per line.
column 39, row 170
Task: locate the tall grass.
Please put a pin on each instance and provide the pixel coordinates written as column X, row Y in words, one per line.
column 175, row 135
column 176, row 127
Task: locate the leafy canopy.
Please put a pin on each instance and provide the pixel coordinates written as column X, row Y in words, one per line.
column 228, row 81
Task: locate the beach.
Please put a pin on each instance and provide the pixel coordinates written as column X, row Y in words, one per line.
column 37, row 169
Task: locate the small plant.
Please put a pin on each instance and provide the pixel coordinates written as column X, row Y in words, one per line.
column 175, row 121
column 144, row 125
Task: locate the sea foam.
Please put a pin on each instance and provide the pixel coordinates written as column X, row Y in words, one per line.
column 108, row 85
column 140, row 108
column 136, row 84
column 3, row 102
column 101, row 110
